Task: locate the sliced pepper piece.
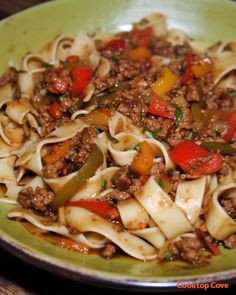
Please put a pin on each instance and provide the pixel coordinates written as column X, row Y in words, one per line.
column 81, row 77
column 196, row 112
column 94, row 160
column 141, row 38
column 139, row 54
column 99, row 118
column 115, row 44
column 202, row 68
column 143, row 161
column 57, row 152
column 165, row 82
column 55, row 110
column 230, row 120
column 221, row 147
column 190, row 157
column 100, row 208
column 161, row 107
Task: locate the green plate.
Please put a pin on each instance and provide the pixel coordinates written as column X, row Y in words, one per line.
column 209, row 20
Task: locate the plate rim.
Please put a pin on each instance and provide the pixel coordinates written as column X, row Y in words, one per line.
column 106, row 279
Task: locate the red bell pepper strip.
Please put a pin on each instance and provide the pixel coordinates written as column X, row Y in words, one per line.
column 160, row 107
column 213, row 248
column 187, row 77
column 190, row 157
column 72, row 59
column 100, row 208
column 60, row 86
column 141, row 38
column 230, row 120
column 81, row 77
column 55, row 110
column 116, row 43
column 188, row 74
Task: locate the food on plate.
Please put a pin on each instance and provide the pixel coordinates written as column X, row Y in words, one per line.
column 124, row 142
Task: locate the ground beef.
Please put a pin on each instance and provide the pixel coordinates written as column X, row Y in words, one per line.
column 132, row 109
column 229, row 206
column 122, row 180
column 75, row 158
column 55, row 75
column 161, row 47
column 38, row 199
column 10, row 77
column 53, row 171
column 189, row 250
column 230, row 242
column 46, row 122
column 115, row 195
column 85, row 142
column 109, row 251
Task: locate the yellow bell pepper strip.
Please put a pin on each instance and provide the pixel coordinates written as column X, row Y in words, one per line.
column 202, row 68
column 98, row 118
column 221, row 147
column 94, row 160
column 139, row 54
column 143, row 161
column 164, row 84
column 57, row 152
column 100, row 208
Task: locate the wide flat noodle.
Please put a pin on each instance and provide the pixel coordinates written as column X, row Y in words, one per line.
column 43, row 224
column 224, row 58
column 132, row 214
column 189, row 197
column 123, row 151
column 151, row 234
column 85, row 221
column 165, row 213
column 62, row 133
column 7, row 172
column 219, row 224
column 119, row 123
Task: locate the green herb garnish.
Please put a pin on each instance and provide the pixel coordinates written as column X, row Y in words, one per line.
column 232, row 93
column 137, row 146
column 113, row 139
column 178, row 116
column 103, row 184
column 168, row 255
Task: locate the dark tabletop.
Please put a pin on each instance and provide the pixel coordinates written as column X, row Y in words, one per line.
column 18, row 277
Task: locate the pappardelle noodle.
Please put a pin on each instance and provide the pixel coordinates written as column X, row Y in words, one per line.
column 124, row 141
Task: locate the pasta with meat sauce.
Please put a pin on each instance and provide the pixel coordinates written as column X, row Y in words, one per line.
column 124, row 141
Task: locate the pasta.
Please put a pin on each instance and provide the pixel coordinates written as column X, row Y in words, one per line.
column 124, row 142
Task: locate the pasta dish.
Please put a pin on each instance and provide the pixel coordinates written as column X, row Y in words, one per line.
column 124, row 142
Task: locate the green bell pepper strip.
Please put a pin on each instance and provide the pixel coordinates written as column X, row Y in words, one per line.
column 216, row 146
column 94, row 160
